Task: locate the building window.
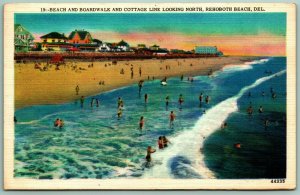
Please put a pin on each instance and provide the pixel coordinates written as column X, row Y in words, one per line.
column 53, row 40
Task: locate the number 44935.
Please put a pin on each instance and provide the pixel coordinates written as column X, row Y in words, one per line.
column 277, row 180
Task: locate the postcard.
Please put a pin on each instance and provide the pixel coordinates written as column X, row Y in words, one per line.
column 150, row 96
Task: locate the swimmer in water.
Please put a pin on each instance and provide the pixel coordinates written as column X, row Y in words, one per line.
column 149, row 152
column 57, row 123
column 81, row 101
column 207, row 99
column 165, row 141
column 119, row 113
column 167, row 101
column 250, row 110
column 172, row 119
column 180, row 100
column 260, row 110
column 146, row 98
column 142, row 123
column 160, row 142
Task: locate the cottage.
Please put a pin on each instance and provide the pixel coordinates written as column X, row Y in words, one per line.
column 54, row 41
column 123, row 46
column 141, row 46
column 105, row 47
column 80, row 37
column 23, row 39
column 154, row 47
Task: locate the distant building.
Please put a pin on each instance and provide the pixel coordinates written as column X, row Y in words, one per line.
column 54, row 37
column 80, row 37
column 220, row 53
column 82, row 40
column 141, row 46
column 160, row 52
column 206, row 50
column 97, row 42
column 154, row 47
column 105, row 47
column 23, row 39
column 123, row 46
column 177, row 51
column 55, row 41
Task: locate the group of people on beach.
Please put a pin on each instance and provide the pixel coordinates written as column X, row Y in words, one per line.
column 58, row 65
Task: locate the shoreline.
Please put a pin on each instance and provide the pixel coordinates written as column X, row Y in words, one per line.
column 36, row 87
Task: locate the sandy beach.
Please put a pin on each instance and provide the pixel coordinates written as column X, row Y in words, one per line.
column 36, row 87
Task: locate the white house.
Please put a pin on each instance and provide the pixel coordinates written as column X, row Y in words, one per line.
column 123, row 46
column 105, row 47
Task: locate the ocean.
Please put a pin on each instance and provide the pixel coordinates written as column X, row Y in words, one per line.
column 95, row 143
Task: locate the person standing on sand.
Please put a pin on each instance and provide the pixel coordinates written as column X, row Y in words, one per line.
column 81, row 101
column 172, row 119
column 149, row 151
column 142, row 122
column 131, row 69
column 77, row 89
column 140, row 71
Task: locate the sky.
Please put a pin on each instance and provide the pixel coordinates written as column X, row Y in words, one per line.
column 259, row 34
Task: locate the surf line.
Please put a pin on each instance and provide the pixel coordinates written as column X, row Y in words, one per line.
column 189, row 142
